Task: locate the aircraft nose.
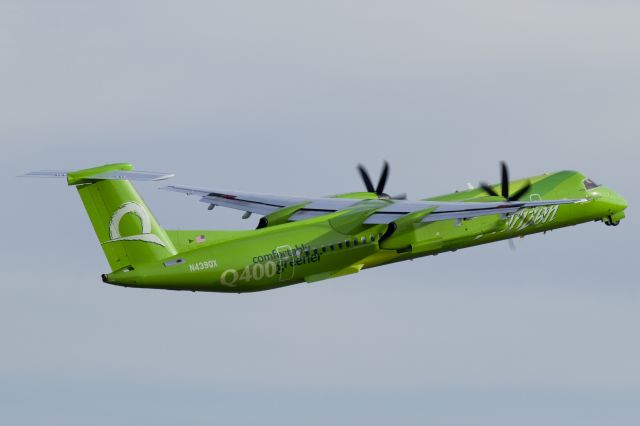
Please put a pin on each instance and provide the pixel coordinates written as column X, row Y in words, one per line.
column 617, row 202
column 614, row 205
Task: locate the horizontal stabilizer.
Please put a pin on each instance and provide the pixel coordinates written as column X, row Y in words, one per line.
column 133, row 175
column 108, row 172
column 46, row 174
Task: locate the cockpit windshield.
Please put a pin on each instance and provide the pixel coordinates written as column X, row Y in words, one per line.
column 590, row 184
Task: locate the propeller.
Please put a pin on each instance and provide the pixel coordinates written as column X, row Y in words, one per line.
column 382, row 182
column 504, row 186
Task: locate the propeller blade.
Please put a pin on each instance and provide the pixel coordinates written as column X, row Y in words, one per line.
column 518, row 194
column 505, row 179
column 383, row 179
column 365, row 177
column 489, row 190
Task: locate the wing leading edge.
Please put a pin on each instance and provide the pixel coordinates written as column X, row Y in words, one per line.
column 265, row 204
column 440, row 210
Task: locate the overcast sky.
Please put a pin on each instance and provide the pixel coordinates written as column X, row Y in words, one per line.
column 288, row 97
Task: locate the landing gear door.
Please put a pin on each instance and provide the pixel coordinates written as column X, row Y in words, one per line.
column 287, row 262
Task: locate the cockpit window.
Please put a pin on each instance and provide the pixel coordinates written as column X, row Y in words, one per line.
column 589, row 184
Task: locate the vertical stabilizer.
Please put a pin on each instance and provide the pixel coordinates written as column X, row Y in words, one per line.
column 127, row 231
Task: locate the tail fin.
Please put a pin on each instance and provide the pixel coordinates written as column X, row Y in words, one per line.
column 126, row 229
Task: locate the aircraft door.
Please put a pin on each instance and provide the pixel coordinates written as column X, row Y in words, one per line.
column 287, row 262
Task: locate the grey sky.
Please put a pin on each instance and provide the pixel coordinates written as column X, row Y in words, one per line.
column 288, row 97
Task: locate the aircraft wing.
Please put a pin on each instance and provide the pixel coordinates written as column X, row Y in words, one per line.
column 440, row 210
column 264, row 204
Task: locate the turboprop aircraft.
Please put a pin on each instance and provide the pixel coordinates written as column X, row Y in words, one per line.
column 307, row 239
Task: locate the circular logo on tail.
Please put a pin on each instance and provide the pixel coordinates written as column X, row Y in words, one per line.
column 143, row 215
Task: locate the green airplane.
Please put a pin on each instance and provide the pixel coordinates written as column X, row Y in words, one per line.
column 305, row 239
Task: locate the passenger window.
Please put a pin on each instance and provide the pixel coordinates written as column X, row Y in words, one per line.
column 372, row 238
column 363, row 239
column 347, row 243
column 340, row 245
column 355, row 241
column 324, row 249
column 315, row 251
column 331, row 247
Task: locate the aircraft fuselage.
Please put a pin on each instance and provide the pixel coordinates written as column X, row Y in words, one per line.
column 339, row 244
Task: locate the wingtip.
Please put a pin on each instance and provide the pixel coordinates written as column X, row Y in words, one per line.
column 164, row 176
